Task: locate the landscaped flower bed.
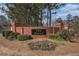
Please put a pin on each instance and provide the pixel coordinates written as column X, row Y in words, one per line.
column 42, row 45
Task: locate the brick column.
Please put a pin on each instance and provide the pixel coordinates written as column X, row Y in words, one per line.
column 22, row 30
column 13, row 28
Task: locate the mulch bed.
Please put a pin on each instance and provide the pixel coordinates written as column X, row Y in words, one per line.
column 15, row 48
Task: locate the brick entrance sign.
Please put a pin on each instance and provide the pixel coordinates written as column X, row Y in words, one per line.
column 35, row 32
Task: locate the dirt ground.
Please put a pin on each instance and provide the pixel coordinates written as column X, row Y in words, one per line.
column 20, row 48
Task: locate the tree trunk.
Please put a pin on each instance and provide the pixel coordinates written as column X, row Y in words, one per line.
column 47, row 18
column 50, row 18
column 41, row 17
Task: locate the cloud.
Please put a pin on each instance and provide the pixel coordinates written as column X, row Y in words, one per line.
column 69, row 8
column 72, row 9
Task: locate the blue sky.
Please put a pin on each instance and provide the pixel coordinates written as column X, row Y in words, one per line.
column 1, row 13
column 72, row 9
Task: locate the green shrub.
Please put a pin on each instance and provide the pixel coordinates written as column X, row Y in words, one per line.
column 56, row 36
column 11, row 38
column 24, row 37
column 6, row 33
column 10, row 34
column 13, row 35
column 3, row 33
column 29, row 37
column 16, row 35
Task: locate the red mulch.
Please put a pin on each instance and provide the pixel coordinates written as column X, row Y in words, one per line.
column 16, row 47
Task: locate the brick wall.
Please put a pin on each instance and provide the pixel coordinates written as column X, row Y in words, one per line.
column 28, row 30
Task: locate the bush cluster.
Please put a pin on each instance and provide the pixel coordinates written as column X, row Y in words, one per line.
column 24, row 37
column 42, row 45
column 6, row 33
column 57, row 36
column 14, row 35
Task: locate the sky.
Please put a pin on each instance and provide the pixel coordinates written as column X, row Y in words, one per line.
column 1, row 13
column 62, row 12
column 72, row 9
